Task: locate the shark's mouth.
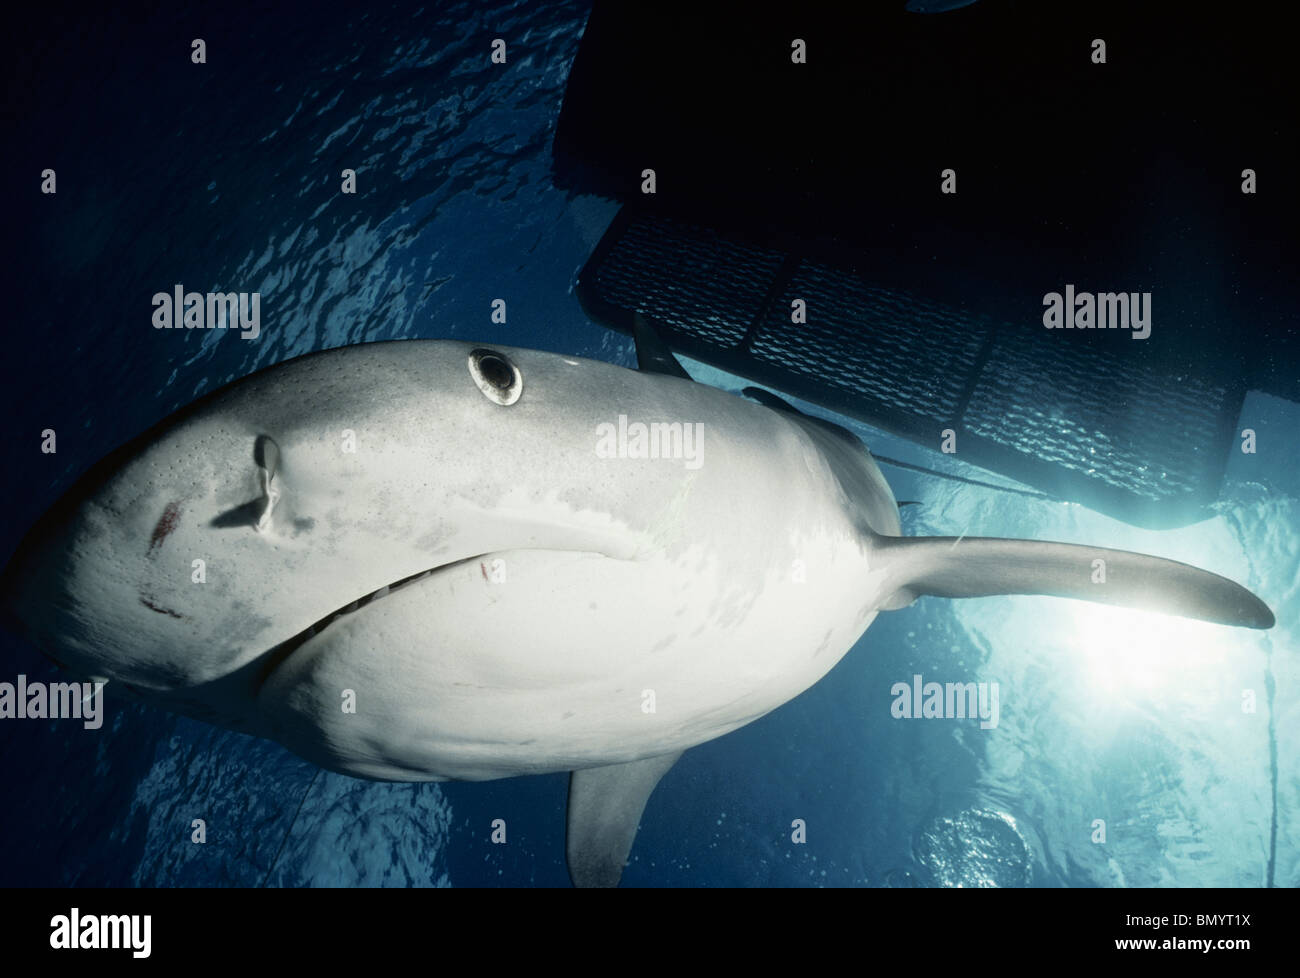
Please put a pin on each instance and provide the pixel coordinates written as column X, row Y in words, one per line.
column 280, row 652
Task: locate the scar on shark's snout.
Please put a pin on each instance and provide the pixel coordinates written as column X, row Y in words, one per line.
column 162, row 611
column 166, row 524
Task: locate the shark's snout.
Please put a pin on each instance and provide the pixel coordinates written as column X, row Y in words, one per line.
column 192, row 561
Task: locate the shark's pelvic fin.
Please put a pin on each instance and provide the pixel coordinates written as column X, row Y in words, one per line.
column 605, row 805
column 972, row 567
column 653, row 355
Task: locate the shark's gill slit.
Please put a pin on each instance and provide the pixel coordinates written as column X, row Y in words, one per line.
column 279, row 653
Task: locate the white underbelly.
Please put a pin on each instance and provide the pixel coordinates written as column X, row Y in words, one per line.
column 536, row 661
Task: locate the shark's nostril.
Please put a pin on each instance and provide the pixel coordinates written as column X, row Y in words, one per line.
column 496, row 372
column 257, row 512
column 496, row 376
column 266, row 453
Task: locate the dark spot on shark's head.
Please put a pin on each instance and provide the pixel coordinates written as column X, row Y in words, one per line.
column 162, row 611
column 166, row 524
column 432, row 542
column 826, row 640
column 303, row 524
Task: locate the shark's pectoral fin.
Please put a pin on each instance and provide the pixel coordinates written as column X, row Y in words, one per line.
column 972, row 567
column 605, row 805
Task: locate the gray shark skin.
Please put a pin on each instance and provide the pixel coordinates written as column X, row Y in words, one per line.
column 431, row 532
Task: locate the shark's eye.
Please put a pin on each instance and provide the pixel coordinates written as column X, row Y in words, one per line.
column 498, row 378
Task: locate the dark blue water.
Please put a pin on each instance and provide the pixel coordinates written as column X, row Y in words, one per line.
column 225, row 176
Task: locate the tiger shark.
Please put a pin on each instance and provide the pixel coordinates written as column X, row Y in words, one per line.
column 426, row 560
